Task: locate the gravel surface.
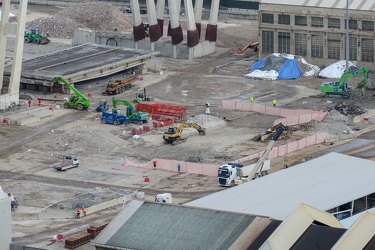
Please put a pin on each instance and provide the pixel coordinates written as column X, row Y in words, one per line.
column 98, row 16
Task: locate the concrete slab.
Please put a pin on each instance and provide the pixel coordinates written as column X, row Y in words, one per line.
column 79, row 63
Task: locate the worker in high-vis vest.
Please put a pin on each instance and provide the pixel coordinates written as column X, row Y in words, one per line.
column 251, row 98
column 274, row 102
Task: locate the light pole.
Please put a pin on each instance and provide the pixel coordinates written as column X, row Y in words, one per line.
column 347, row 36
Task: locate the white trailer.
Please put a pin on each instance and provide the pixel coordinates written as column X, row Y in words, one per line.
column 165, row 198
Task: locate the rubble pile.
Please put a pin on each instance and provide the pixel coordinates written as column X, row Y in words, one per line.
column 84, row 140
column 207, row 120
column 336, row 116
column 334, row 128
column 195, row 159
column 349, row 109
column 98, row 16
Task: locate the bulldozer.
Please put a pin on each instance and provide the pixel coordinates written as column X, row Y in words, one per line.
column 35, row 37
column 174, row 134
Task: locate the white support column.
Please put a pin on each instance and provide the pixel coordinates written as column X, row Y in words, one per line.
column 14, row 84
column 3, row 37
column 160, row 5
column 136, row 14
column 198, row 10
column 190, row 23
column 174, row 16
column 151, row 13
column 214, row 13
column 178, row 3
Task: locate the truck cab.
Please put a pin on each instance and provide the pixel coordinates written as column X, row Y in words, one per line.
column 69, row 161
column 227, row 174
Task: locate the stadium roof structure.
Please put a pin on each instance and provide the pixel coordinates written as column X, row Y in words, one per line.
column 364, row 5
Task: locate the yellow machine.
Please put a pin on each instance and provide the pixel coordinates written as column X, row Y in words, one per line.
column 174, row 134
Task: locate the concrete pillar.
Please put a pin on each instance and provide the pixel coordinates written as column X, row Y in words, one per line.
column 211, row 31
column 192, row 32
column 14, row 84
column 3, row 37
column 138, row 28
column 160, row 14
column 198, row 15
column 176, row 30
column 154, row 27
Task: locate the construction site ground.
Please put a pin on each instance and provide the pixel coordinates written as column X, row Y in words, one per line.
column 27, row 153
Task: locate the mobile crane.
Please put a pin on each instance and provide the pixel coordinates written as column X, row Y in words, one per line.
column 232, row 172
column 174, row 134
column 340, row 88
column 77, row 101
column 131, row 113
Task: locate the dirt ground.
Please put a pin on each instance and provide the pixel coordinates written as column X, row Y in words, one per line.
column 27, row 153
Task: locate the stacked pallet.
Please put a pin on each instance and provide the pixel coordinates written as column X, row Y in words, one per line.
column 77, row 240
column 94, row 230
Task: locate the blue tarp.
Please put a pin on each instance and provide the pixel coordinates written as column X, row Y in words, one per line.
column 258, row 65
column 290, row 70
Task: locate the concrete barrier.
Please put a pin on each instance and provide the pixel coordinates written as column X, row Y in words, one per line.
column 361, row 118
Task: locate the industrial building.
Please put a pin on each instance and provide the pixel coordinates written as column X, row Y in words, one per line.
column 316, row 30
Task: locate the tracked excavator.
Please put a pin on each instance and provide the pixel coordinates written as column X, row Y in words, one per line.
column 174, row 134
column 341, row 88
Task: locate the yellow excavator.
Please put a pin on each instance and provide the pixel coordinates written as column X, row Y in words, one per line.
column 174, row 134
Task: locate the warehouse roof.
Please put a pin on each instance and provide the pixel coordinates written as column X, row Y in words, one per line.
column 338, row 4
column 148, row 225
column 324, row 183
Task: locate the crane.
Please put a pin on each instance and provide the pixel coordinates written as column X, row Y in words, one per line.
column 131, row 113
column 77, row 101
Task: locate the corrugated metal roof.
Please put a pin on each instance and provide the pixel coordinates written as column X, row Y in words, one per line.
column 163, row 226
column 348, row 222
column 359, row 235
column 367, row 5
column 323, row 183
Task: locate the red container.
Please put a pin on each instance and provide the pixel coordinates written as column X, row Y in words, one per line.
column 134, row 131
column 147, row 128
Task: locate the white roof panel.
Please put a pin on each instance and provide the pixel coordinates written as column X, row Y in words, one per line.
column 324, row 183
column 338, row 4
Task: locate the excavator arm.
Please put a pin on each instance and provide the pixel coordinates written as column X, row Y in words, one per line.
column 363, row 70
column 115, row 102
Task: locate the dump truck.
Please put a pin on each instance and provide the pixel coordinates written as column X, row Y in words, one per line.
column 69, row 161
column 119, row 86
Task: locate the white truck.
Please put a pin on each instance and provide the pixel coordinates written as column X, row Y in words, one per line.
column 165, row 198
column 234, row 173
column 69, row 161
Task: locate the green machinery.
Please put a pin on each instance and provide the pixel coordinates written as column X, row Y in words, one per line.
column 131, row 113
column 78, row 100
column 340, row 88
column 35, row 37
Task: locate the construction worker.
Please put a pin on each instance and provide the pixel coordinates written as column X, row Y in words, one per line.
column 29, row 102
column 84, row 211
column 251, row 98
column 78, row 213
column 274, row 102
column 179, row 167
column 154, row 162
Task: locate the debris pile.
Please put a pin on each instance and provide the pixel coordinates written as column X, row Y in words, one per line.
column 349, row 109
column 83, row 140
column 336, row 116
column 207, row 120
column 195, row 159
column 98, row 16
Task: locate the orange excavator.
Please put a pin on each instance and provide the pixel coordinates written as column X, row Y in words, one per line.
column 253, row 46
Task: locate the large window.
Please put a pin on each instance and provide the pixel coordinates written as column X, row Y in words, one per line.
column 317, row 21
column 267, row 41
column 353, row 24
column 367, row 50
column 334, row 23
column 284, row 19
column 267, row 18
column 368, row 25
column 317, row 46
column 301, row 44
column 284, row 42
column 300, row 20
column 353, row 47
column 334, row 46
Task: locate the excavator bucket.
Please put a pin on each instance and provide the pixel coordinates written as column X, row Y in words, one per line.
column 44, row 40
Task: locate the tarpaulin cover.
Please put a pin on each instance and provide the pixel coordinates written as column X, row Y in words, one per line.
column 273, row 62
column 290, row 70
column 258, row 65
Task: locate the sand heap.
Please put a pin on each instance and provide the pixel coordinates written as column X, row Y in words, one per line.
column 97, row 16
